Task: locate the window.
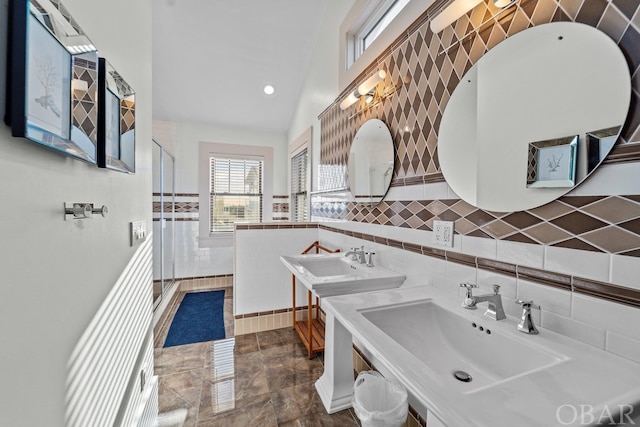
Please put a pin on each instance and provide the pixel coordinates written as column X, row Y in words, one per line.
column 235, row 191
column 375, row 23
column 369, row 28
column 299, row 186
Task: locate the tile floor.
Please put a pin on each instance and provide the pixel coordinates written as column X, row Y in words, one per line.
column 261, row 379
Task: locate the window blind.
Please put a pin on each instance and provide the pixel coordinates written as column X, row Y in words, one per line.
column 299, row 186
column 235, row 193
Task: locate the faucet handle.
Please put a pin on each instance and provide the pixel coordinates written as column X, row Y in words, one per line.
column 527, row 304
column 526, row 324
column 370, row 258
column 469, row 291
column 496, row 289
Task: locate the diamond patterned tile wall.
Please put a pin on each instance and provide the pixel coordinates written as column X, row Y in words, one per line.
column 600, row 224
column 424, row 81
column 84, row 114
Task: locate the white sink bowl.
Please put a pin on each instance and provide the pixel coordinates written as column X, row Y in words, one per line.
column 450, row 343
column 335, row 274
column 322, row 266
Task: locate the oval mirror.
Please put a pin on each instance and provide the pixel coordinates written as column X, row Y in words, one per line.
column 370, row 164
column 534, row 117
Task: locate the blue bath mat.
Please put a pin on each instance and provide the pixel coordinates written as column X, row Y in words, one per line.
column 199, row 318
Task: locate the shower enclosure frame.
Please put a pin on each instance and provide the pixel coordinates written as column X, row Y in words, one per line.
column 165, row 282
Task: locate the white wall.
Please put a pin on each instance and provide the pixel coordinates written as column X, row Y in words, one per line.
column 56, row 274
column 187, row 136
column 321, row 84
column 261, row 281
column 195, row 258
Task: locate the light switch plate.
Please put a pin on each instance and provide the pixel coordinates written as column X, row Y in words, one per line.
column 138, row 232
column 443, row 233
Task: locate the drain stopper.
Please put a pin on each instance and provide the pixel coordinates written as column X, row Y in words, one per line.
column 462, row 376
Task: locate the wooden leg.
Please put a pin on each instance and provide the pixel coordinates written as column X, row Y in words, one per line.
column 310, row 322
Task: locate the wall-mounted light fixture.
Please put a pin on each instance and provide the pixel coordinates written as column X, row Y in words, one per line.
column 450, row 12
column 364, row 88
column 503, row 5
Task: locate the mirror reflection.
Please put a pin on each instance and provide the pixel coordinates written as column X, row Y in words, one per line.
column 370, row 164
column 540, row 110
column 118, row 127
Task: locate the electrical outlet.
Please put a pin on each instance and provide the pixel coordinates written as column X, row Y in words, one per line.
column 138, row 232
column 443, row 233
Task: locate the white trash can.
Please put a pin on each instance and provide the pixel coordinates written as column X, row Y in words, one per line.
column 379, row 402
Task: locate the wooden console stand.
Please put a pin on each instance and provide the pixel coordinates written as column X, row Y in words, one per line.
column 311, row 330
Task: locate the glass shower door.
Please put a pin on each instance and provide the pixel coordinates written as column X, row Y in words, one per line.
column 163, row 222
column 168, row 223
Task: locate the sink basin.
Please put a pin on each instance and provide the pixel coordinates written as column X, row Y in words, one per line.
column 327, row 266
column 450, row 343
column 335, row 274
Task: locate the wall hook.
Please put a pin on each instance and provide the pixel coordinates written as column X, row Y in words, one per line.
column 82, row 211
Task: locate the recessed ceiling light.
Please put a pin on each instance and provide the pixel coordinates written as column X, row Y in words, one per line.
column 269, row 89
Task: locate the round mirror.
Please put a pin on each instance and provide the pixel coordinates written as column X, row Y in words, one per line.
column 370, row 165
column 534, row 117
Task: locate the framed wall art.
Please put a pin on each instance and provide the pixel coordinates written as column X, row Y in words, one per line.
column 552, row 163
column 52, row 79
column 116, row 123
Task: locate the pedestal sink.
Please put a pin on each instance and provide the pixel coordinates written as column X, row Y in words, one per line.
column 464, row 369
column 335, row 274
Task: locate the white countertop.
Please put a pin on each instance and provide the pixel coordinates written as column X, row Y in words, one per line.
column 587, row 375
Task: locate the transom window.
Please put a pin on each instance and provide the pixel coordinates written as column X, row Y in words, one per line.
column 375, row 23
column 235, row 192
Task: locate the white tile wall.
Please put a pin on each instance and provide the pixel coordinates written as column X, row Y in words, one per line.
column 195, row 261
column 584, row 332
column 478, row 246
column 520, row 253
column 555, row 300
column 459, row 273
column 625, row 271
column 592, row 265
column 261, row 281
column 623, row 346
column 613, row 317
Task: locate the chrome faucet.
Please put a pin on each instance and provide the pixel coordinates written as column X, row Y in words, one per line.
column 357, row 255
column 352, row 253
column 495, row 310
column 526, row 324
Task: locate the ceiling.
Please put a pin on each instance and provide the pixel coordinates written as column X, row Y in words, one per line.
column 212, row 58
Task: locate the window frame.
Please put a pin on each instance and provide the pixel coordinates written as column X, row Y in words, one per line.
column 293, row 208
column 356, row 19
column 253, row 158
column 372, row 21
column 237, row 150
column 302, row 142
